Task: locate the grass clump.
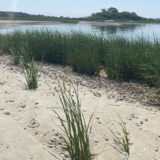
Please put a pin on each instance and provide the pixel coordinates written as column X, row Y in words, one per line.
column 31, row 74
column 121, row 140
column 83, row 53
column 74, row 126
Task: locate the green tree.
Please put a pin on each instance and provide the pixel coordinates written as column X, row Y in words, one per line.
column 113, row 10
column 103, row 10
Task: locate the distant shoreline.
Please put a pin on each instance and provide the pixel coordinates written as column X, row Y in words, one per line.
column 116, row 23
column 14, row 23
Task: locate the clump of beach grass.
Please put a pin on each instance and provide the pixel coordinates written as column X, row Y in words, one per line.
column 121, row 140
column 74, row 126
column 31, row 74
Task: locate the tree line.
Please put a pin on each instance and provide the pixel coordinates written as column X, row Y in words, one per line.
column 113, row 14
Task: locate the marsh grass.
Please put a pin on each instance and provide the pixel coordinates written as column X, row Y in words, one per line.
column 75, row 129
column 122, row 59
column 15, row 57
column 31, row 74
column 121, row 140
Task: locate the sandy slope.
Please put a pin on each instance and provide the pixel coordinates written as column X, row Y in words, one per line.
column 28, row 126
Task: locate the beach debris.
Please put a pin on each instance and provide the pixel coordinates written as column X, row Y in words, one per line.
column 7, row 113
column 156, row 149
column 96, row 94
column 33, row 124
column 22, row 105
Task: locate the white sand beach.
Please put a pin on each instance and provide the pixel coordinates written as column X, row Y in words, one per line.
column 29, row 128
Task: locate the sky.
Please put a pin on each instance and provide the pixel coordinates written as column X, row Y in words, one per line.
column 81, row 8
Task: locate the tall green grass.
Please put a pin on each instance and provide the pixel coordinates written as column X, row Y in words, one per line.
column 121, row 140
column 74, row 126
column 31, row 74
column 122, row 59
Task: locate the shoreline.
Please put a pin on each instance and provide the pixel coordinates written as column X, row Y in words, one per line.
column 106, row 22
column 14, row 23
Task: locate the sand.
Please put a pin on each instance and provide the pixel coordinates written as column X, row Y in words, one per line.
column 29, row 128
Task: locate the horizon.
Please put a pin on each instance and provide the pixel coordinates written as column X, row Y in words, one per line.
column 80, row 8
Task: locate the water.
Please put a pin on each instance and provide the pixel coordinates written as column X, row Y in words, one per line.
column 150, row 31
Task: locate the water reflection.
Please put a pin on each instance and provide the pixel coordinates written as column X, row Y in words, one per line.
column 116, row 29
column 128, row 30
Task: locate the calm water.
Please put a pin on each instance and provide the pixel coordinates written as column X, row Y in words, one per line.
column 149, row 31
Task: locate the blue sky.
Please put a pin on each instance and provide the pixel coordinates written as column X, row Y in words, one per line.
column 80, row 8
